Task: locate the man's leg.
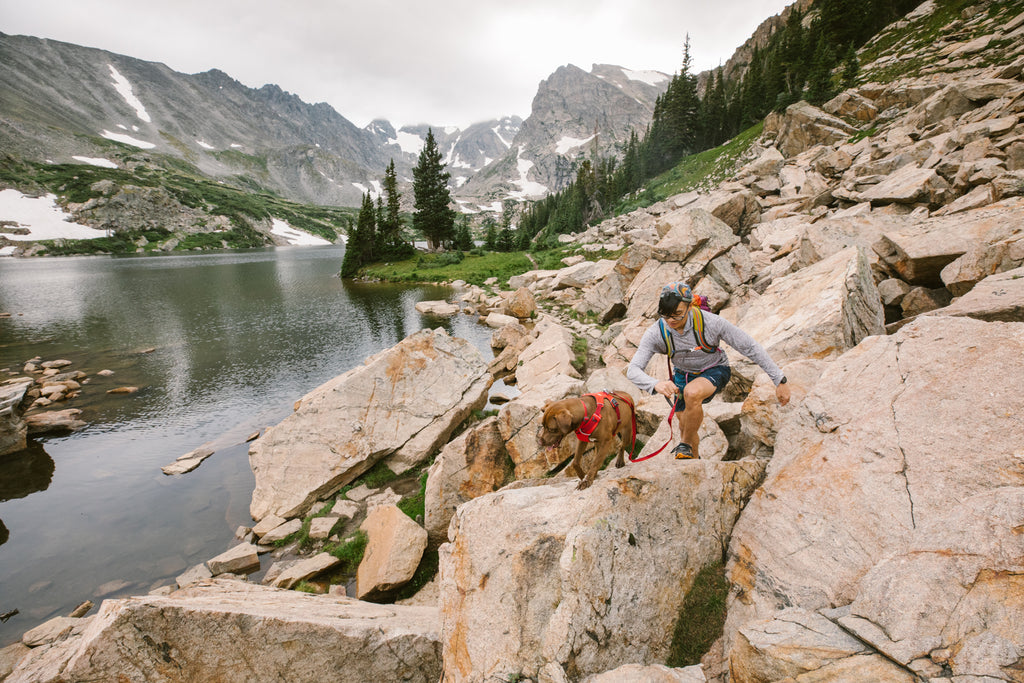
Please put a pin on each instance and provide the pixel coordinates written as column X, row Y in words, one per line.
column 694, row 394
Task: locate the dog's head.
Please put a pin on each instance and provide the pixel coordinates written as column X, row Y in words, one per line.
column 556, row 421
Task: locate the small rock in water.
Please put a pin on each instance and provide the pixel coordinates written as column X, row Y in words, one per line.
column 123, row 390
column 82, row 609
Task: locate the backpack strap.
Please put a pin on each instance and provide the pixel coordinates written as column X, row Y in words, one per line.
column 698, row 331
column 666, row 337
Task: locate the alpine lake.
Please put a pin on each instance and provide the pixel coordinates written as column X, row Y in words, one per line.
column 220, row 345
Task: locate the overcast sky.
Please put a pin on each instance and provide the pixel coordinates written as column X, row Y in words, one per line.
column 446, row 62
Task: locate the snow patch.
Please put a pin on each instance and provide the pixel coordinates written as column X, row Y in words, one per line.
column 408, row 142
column 295, row 237
column 567, row 143
column 374, row 191
column 648, row 77
column 43, row 218
column 527, row 187
column 96, row 161
column 205, row 145
column 128, row 140
column 123, row 87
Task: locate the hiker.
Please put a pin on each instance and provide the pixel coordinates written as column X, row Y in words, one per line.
column 689, row 334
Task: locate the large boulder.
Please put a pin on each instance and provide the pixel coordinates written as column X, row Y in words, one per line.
column 997, row 298
column 547, row 355
column 394, row 548
column 804, row 126
column 538, row 574
column 919, row 252
column 236, row 632
column 892, row 497
column 692, row 237
column 402, row 404
column 474, row 463
column 13, row 430
column 519, row 422
column 818, row 312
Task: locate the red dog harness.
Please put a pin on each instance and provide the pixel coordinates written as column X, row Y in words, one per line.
column 589, row 423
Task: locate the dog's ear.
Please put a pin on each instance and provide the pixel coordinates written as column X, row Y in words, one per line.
column 564, row 419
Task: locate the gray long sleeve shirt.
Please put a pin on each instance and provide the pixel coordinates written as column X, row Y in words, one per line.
column 690, row 358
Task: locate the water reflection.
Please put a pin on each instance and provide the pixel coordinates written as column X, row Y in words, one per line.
column 25, row 472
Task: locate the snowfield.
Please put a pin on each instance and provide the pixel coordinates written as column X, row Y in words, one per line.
column 44, row 220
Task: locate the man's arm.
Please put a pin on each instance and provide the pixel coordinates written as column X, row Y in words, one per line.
column 635, row 373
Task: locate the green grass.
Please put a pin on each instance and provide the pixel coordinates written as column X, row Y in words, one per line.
column 350, row 551
column 702, row 170
column 474, row 269
column 579, row 350
column 702, row 617
column 414, row 505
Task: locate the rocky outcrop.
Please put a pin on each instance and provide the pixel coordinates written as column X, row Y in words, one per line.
column 221, row 630
column 401, row 404
column 921, row 506
column 539, row 580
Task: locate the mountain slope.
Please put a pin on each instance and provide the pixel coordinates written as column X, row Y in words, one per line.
column 574, row 114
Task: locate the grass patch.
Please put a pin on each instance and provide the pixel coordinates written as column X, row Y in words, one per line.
column 350, row 551
column 579, row 351
column 702, row 170
column 702, row 618
column 472, row 268
column 414, row 505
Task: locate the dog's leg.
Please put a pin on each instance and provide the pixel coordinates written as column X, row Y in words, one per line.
column 600, row 453
column 620, row 460
column 576, row 467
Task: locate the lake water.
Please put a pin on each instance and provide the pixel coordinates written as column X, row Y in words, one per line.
column 221, row 346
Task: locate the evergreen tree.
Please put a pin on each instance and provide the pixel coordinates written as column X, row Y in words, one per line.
column 463, row 235
column 358, row 246
column 490, row 234
column 819, row 85
column 506, row 239
column 390, row 226
column 434, row 218
column 851, row 67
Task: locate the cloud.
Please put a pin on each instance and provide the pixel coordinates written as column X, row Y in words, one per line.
column 449, row 62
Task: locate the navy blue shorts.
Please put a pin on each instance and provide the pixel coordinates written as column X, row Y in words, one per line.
column 717, row 374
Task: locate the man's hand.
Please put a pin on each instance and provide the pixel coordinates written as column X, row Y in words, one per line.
column 782, row 393
column 667, row 389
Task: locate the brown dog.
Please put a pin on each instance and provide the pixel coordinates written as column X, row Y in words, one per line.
column 616, row 418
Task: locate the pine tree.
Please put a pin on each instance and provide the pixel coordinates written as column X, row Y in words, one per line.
column 390, row 227
column 358, row 246
column 506, row 239
column 819, row 85
column 490, row 234
column 463, row 235
column 434, row 218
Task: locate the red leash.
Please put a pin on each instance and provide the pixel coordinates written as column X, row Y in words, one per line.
column 646, row 457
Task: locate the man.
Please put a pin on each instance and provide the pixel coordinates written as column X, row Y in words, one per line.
column 699, row 368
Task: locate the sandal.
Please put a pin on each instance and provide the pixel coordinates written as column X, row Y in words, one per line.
column 683, row 452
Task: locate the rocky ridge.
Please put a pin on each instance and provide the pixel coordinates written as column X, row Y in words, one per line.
column 871, row 528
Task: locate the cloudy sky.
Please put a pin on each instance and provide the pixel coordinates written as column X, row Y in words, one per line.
column 446, row 62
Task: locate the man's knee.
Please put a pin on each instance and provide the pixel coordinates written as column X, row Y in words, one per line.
column 696, row 391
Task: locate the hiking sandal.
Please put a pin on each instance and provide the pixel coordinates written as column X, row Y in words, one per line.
column 683, row 452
